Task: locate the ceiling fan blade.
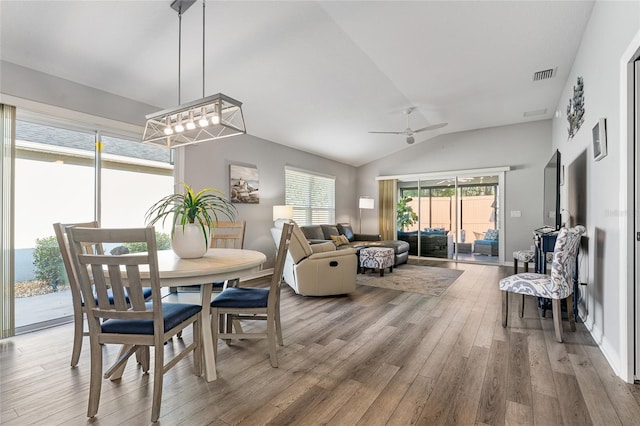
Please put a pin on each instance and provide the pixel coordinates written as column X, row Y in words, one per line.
column 432, row 127
column 390, row 133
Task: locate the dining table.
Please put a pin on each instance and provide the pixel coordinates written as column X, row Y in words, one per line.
column 218, row 264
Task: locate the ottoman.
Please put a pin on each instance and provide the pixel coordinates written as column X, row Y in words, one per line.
column 377, row 258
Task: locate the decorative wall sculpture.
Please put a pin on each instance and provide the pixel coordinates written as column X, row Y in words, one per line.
column 575, row 109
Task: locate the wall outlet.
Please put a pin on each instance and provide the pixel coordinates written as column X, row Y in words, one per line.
column 516, row 213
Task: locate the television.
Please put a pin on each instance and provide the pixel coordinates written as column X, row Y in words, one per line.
column 551, row 202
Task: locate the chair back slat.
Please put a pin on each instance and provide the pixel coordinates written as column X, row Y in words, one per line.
column 228, row 235
column 278, row 268
column 60, row 230
column 120, row 272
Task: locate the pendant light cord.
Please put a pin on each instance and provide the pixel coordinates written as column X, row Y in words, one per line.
column 203, row 26
column 179, row 53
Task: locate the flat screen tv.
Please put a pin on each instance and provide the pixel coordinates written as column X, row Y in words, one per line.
column 551, row 202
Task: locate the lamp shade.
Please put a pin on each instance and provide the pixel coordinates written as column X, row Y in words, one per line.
column 365, row 203
column 282, row 212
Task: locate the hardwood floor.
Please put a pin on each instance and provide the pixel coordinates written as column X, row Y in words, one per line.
column 375, row 357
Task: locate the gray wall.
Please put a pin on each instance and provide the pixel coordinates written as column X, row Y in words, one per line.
column 207, row 165
column 524, row 147
column 607, row 306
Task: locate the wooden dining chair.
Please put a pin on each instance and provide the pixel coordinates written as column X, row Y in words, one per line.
column 76, row 295
column 136, row 324
column 248, row 303
column 225, row 235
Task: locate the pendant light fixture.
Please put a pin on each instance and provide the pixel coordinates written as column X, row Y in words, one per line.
column 213, row 117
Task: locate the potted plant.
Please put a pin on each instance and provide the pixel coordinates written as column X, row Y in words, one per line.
column 405, row 214
column 194, row 216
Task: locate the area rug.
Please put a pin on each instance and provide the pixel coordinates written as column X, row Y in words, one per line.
column 429, row 280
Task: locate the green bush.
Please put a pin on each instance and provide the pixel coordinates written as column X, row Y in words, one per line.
column 163, row 241
column 47, row 261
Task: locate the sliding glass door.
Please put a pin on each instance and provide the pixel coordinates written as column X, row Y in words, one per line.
column 67, row 175
column 450, row 217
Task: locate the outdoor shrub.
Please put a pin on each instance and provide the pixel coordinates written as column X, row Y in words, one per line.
column 163, row 241
column 47, row 261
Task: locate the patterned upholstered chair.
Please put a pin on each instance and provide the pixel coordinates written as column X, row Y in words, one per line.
column 526, row 256
column 557, row 286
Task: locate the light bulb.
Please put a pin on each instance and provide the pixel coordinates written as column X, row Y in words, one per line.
column 190, row 124
column 168, row 130
column 215, row 119
column 203, row 122
column 179, row 127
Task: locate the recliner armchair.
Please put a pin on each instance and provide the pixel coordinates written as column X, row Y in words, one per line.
column 318, row 269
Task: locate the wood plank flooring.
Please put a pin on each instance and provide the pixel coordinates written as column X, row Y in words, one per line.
column 374, row 357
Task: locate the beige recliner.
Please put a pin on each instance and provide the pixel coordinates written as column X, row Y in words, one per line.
column 318, row 269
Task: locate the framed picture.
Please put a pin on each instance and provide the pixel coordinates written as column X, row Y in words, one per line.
column 244, row 184
column 600, row 139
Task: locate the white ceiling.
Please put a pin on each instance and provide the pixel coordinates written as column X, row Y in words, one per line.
column 316, row 76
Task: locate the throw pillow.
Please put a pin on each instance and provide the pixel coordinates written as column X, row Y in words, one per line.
column 492, row 234
column 339, row 240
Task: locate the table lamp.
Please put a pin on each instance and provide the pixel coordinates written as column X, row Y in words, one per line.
column 282, row 212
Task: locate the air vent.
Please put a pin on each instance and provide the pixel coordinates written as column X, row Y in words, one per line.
column 544, row 74
column 535, row 112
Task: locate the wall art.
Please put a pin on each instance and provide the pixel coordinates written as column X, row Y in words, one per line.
column 575, row 109
column 600, row 139
column 244, row 184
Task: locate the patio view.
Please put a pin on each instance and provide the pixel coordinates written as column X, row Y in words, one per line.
column 451, row 219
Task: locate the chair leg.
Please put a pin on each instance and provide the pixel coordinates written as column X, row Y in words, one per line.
column 95, row 382
column 271, row 338
column 505, row 307
column 78, row 334
column 158, row 374
column 526, row 266
column 515, row 266
column 197, row 351
column 278, row 325
column 522, row 307
column 214, row 330
column 142, row 355
column 572, row 319
column 557, row 318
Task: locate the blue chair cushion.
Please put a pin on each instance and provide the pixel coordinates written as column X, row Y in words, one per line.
column 172, row 313
column 146, row 293
column 242, row 297
column 486, row 242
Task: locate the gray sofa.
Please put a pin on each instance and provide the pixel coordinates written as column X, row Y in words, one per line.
column 323, row 233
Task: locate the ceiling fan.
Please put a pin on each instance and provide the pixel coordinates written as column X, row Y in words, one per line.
column 408, row 132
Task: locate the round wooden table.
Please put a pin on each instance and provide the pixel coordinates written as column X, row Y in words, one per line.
column 216, row 265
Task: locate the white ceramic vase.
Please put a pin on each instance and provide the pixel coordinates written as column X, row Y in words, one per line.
column 188, row 242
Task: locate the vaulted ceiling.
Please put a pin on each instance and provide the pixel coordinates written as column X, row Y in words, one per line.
column 316, row 76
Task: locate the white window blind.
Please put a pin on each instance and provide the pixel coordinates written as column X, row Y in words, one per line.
column 311, row 195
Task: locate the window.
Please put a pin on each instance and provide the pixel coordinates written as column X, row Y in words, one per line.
column 56, row 165
column 311, row 195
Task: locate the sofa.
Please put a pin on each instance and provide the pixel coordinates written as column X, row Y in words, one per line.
column 317, row 269
column 434, row 242
column 324, row 233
